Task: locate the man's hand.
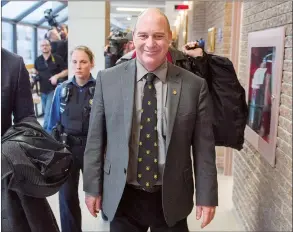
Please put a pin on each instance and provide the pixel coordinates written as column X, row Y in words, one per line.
column 93, row 204
column 192, row 52
column 208, row 214
column 54, row 80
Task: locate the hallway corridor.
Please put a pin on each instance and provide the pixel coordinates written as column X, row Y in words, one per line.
column 225, row 219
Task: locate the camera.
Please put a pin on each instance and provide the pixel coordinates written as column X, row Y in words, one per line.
column 117, row 40
column 51, row 18
column 114, row 52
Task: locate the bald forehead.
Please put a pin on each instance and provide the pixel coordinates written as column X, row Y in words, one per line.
column 153, row 12
column 45, row 42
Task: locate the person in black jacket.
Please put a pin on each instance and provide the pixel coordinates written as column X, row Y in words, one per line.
column 16, row 96
column 19, row 213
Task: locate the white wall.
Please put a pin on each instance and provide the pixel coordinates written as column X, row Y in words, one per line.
column 86, row 23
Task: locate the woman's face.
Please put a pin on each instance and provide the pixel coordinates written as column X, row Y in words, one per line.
column 81, row 64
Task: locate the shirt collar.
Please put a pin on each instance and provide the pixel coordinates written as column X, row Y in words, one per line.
column 160, row 72
column 73, row 81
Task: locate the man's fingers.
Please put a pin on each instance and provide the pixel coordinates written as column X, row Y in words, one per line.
column 208, row 215
column 198, row 212
column 97, row 205
column 91, row 205
column 91, row 209
column 206, row 219
column 213, row 214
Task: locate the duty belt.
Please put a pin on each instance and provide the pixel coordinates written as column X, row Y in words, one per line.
column 76, row 140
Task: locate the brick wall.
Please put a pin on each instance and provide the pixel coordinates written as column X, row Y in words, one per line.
column 207, row 14
column 196, row 20
column 218, row 14
column 262, row 195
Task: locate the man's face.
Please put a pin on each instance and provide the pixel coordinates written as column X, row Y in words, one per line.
column 151, row 39
column 131, row 45
column 55, row 35
column 63, row 32
column 45, row 47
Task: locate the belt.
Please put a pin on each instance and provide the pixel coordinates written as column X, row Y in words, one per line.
column 76, row 140
column 153, row 189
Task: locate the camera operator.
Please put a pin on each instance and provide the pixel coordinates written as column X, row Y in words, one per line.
column 64, row 32
column 58, row 36
column 129, row 46
column 59, row 46
column 115, row 50
column 50, row 68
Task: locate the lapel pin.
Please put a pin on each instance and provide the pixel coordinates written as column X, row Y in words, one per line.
column 174, row 92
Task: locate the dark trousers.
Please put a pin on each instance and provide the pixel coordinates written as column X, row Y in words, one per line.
column 70, row 213
column 139, row 210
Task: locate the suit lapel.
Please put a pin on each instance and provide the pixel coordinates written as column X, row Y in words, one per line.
column 128, row 87
column 173, row 95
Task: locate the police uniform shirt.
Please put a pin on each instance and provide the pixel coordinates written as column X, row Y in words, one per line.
column 55, row 115
column 47, row 69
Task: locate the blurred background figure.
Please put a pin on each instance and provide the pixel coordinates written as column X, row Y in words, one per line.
column 49, row 69
column 129, row 46
column 120, row 43
column 64, row 32
column 59, row 46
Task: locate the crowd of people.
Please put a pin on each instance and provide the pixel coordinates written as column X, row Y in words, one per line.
column 129, row 130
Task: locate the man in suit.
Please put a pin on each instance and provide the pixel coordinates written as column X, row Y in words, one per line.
column 19, row 212
column 145, row 119
column 16, row 95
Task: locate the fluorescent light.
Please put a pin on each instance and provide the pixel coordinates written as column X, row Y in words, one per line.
column 128, row 18
column 130, row 9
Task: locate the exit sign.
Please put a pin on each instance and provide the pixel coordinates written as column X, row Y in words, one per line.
column 181, row 7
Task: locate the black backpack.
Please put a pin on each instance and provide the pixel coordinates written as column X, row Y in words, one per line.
column 229, row 102
column 35, row 163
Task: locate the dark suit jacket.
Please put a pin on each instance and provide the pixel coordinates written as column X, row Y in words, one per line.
column 188, row 125
column 16, row 96
column 19, row 213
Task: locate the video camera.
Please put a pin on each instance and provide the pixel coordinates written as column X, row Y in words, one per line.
column 51, row 18
column 117, row 40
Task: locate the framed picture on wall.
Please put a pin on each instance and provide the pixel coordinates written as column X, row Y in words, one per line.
column 211, row 39
column 263, row 88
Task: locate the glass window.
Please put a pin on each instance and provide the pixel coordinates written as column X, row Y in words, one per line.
column 41, row 36
column 25, row 43
column 38, row 14
column 7, row 36
column 15, row 8
column 61, row 16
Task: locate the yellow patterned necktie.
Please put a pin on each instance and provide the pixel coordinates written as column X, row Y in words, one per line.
column 147, row 168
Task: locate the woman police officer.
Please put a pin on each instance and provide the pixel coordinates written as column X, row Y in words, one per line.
column 69, row 122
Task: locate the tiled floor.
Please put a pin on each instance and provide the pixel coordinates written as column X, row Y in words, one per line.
column 225, row 219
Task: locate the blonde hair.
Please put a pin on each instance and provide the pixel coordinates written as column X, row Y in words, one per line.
column 88, row 51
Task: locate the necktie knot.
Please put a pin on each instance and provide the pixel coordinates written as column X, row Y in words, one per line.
column 150, row 77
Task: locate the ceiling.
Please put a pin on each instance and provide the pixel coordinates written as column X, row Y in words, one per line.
column 126, row 19
column 32, row 12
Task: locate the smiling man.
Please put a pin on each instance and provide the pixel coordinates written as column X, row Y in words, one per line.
column 144, row 113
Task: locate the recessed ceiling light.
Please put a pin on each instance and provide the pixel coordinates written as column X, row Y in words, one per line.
column 129, row 9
